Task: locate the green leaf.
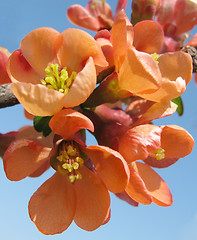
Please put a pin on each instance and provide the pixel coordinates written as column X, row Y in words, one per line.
column 41, row 124
column 179, row 103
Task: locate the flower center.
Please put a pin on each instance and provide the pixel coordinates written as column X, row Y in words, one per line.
column 58, row 80
column 158, row 154
column 68, row 161
column 98, row 6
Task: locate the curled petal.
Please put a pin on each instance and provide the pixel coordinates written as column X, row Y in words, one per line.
column 155, row 185
column 125, row 197
column 38, row 99
column 157, row 110
column 136, row 188
column 176, row 141
column 148, row 36
column 20, row 70
column 4, row 55
column 103, row 38
column 68, row 121
column 77, row 47
column 163, row 163
column 176, row 64
column 38, row 48
column 23, row 157
column 139, row 73
column 52, row 206
column 121, row 38
column 83, row 85
column 110, row 166
column 80, row 16
column 168, row 90
column 136, row 143
column 93, row 201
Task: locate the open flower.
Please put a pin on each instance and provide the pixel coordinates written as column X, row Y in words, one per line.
column 95, row 16
column 79, row 188
column 157, row 146
column 142, row 73
column 50, row 69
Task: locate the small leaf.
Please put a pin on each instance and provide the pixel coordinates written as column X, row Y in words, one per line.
column 179, row 103
column 41, row 124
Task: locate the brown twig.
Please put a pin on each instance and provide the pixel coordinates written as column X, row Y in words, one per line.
column 7, row 98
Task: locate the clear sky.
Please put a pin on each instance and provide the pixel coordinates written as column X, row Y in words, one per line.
column 178, row 222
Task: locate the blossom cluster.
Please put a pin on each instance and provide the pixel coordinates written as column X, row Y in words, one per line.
column 113, row 85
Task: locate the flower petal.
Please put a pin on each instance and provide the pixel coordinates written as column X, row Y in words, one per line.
column 121, row 38
column 136, row 143
column 80, row 16
column 157, row 110
column 110, row 166
column 176, row 141
column 93, row 201
column 19, row 69
column 176, row 64
column 136, row 188
column 139, row 73
column 168, row 90
column 77, row 47
column 38, row 99
column 23, row 157
column 52, row 206
column 38, row 48
column 163, row 163
column 125, row 197
column 155, row 185
column 82, row 86
column 148, row 36
column 4, row 55
column 68, row 121
column 29, row 132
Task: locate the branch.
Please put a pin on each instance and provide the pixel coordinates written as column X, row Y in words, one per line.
column 7, row 98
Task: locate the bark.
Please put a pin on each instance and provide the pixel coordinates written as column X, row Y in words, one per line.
column 7, row 98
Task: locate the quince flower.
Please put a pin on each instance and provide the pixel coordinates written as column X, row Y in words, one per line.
column 79, row 188
column 140, row 73
column 95, row 16
column 157, row 146
column 50, row 69
column 4, row 55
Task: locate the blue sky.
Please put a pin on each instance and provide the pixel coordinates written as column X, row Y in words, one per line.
column 179, row 221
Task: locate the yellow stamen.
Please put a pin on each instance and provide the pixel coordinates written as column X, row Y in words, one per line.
column 159, row 154
column 58, row 80
column 68, row 161
column 155, row 56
